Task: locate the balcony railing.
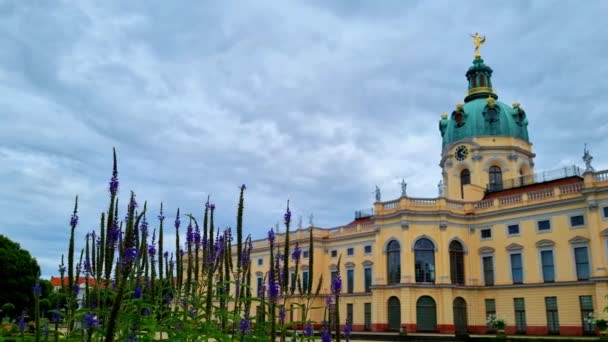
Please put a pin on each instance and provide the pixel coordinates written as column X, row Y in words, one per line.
column 540, row 177
column 364, row 213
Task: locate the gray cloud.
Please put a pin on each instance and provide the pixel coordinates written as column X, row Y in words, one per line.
column 312, row 101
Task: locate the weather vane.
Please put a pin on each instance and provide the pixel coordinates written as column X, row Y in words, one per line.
column 478, row 41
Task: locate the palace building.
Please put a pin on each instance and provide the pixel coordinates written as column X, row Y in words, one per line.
column 500, row 239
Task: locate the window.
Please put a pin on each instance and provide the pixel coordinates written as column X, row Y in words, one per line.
column 513, row 229
column 334, row 253
column 552, row 316
column 488, row 270
column 543, row 225
column 393, row 255
column 260, row 262
column 581, row 258
column 367, row 249
column 605, row 211
column 456, row 263
column 486, row 233
column 495, row 178
column 350, row 280
column 349, row 313
column 587, row 314
column 305, row 281
column 520, row 315
column 260, row 286
column 465, row 178
column 350, row 251
column 546, row 258
column 577, row 221
column 292, row 287
column 424, row 261
column 367, row 319
column 368, row 279
column 516, row 268
column 490, row 310
column 304, row 254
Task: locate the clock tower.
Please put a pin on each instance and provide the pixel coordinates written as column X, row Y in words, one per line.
column 485, row 141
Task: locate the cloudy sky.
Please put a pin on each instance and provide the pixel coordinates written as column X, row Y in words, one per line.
column 312, row 101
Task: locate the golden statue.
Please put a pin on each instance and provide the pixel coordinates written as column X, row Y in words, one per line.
column 478, row 41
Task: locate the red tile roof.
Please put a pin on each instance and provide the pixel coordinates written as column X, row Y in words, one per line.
column 56, row 281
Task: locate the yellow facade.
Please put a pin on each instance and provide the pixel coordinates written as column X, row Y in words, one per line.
column 537, row 237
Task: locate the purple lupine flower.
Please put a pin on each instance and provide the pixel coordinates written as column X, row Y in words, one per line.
column 161, row 217
column 87, row 266
column 189, row 234
column 181, row 252
column 137, row 291
column 228, row 234
column 76, row 289
column 282, row 314
column 296, row 252
column 78, row 268
column 244, row 257
column 22, row 324
column 197, row 235
column 55, row 317
column 130, row 254
column 271, row 237
column 177, row 221
column 37, row 289
column 74, row 218
column 348, row 328
column 144, row 228
column 287, row 215
column 114, row 181
column 204, row 242
column 90, row 321
column 166, row 255
column 329, row 301
column 146, row 312
column 212, row 206
column 273, row 289
column 308, row 331
column 243, row 187
column 245, row 325
column 62, row 268
column 336, row 284
column 325, row 335
column 152, row 250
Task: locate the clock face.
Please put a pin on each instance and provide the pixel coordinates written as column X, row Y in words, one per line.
column 461, row 152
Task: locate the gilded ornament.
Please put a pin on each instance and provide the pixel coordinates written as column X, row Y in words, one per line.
column 490, row 101
column 478, row 41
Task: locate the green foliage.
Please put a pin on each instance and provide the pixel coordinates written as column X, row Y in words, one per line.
column 18, row 274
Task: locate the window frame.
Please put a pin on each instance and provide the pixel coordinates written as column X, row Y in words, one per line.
column 570, row 217
column 370, row 249
column 483, row 270
column 367, row 288
column 556, row 311
column 456, row 257
column 350, row 280
column 588, row 329
column 489, row 312
column 390, row 277
column 538, row 230
column 334, row 253
column 605, row 212
column 481, row 230
column 522, row 316
column 575, row 263
column 521, row 259
column 425, row 276
column 350, row 251
column 260, row 261
column 509, row 234
column 541, row 265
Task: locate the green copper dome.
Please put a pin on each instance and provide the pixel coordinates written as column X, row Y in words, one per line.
column 482, row 114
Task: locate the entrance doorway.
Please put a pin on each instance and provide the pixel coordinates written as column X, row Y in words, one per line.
column 426, row 314
column 460, row 316
column 394, row 313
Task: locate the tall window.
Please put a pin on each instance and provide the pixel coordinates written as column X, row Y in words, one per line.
column 495, row 178
column 548, row 267
column 305, row 281
column 465, row 178
column 488, row 270
column 520, row 315
column 350, row 280
column 581, row 259
column 490, row 310
column 587, row 314
column 260, row 286
column 368, row 279
column 393, row 255
column 424, row 258
column 517, row 268
column 367, row 316
column 349, row 313
column 552, row 316
column 456, row 263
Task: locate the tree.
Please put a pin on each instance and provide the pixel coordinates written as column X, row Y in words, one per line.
column 18, row 274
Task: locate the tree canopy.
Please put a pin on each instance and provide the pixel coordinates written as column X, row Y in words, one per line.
column 18, row 274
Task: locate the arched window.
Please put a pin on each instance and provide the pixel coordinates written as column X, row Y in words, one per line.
column 456, row 263
column 393, row 255
column 424, row 264
column 465, row 178
column 495, row 178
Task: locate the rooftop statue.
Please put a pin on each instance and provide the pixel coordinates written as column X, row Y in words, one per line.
column 377, row 192
column 587, row 158
column 403, row 188
column 478, row 41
